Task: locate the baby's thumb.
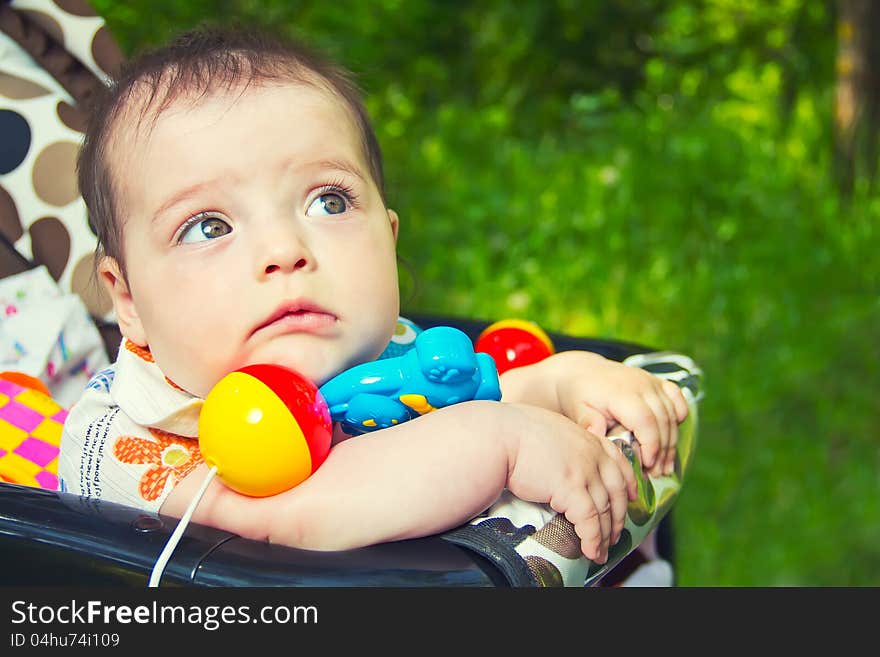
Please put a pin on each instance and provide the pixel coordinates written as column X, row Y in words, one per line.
column 592, row 420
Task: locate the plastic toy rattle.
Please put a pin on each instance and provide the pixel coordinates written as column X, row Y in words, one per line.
column 514, row 343
column 264, row 429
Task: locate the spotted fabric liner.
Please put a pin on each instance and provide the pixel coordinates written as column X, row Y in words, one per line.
column 53, row 57
column 30, row 436
column 532, row 545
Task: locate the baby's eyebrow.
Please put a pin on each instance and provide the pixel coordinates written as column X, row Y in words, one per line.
column 181, row 195
column 192, row 190
column 342, row 165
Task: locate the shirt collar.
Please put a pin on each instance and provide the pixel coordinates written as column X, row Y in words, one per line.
column 149, row 398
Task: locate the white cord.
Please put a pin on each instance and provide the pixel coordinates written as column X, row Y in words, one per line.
column 162, row 561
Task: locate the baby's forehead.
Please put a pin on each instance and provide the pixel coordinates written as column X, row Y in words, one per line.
column 147, row 105
column 152, row 128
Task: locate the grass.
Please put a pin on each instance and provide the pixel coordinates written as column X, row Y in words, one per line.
column 704, row 225
column 686, row 236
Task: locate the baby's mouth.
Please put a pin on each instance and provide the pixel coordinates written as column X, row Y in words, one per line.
column 299, row 317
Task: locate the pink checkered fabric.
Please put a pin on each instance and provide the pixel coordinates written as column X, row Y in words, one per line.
column 30, row 436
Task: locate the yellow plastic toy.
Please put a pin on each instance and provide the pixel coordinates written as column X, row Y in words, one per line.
column 265, row 428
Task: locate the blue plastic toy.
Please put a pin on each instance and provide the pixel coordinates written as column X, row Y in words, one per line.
column 440, row 369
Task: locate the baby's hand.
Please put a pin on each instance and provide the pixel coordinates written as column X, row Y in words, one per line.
column 582, row 476
column 597, row 393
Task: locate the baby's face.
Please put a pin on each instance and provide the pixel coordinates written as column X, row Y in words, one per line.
column 253, row 233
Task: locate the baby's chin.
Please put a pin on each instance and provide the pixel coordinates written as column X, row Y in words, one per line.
column 314, row 368
column 317, row 364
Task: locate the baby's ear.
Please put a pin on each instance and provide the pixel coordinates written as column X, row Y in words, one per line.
column 123, row 305
column 395, row 222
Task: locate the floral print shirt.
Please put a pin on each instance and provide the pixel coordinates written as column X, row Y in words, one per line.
column 132, row 436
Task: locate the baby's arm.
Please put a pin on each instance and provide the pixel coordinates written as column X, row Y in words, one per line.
column 431, row 474
column 597, row 393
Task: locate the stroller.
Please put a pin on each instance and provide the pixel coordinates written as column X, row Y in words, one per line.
column 50, row 64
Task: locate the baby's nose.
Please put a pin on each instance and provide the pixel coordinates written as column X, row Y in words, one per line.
column 271, row 268
column 285, row 252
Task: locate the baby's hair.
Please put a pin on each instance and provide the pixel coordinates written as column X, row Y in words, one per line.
column 195, row 64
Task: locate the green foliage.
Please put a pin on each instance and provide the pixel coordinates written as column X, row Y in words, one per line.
column 649, row 171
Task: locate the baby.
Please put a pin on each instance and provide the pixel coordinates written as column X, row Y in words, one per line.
column 236, row 187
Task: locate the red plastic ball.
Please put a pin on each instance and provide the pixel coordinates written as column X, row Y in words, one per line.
column 514, row 343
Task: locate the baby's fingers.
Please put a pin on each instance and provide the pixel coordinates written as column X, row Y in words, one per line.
column 582, row 513
column 666, row 461
column 602, row 503
column 678, row 400
column 630, row 486
column 592, row 420
column 613, row 473
column 661, row 417
column 638, row 416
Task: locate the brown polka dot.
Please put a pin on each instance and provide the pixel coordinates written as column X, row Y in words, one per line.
column 10, row 223
column 49, row 24
column 18, row 88
column 76, row 7
column 54, row 174
column 50, row 244
column 545, row 572
column 73, row 117
column 85, row 283
column 559, row 536
column 106, row 51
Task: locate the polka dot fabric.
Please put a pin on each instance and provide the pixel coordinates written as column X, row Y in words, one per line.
column 52, row 57
column 30, row 436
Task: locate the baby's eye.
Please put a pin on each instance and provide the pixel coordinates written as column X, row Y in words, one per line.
column 327, row 203
column 208, row 228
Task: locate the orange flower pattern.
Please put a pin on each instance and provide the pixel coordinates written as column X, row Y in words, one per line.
column 170, row 456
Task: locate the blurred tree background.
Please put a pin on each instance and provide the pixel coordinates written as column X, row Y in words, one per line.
column 691, row 175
